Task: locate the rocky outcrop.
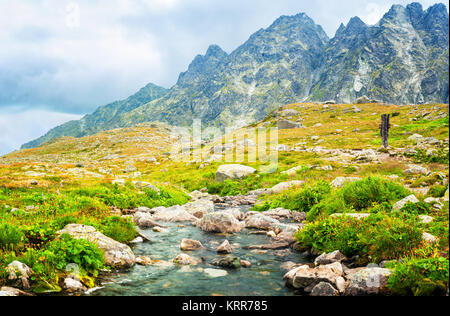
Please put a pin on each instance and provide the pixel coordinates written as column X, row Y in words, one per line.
column 116, row 255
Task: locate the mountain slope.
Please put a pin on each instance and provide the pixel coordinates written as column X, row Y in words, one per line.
column 271, row 69
column 402, row 59
column 101, row 119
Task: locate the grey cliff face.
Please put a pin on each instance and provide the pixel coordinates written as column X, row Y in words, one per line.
column 402, row 59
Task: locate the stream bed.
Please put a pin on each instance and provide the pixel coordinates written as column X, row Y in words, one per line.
column 263, row 278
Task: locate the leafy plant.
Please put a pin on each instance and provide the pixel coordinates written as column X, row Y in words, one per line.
column 420, row 277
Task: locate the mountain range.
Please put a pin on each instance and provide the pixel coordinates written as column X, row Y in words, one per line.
column 403, row 59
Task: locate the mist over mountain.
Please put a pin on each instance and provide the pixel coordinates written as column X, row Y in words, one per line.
column 402, row 59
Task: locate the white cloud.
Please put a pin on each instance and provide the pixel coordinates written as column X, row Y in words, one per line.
column 18, row 127
column 374, row 12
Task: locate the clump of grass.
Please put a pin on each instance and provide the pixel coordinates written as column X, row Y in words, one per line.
column 10, row 236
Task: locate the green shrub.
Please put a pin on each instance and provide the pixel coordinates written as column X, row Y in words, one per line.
column 301, row 199
column 374, row 239
column 10, row 236
column 362, row 194
column 422, row 277
column 48, row 263
column 330, row 205
column 119, row 229
column 437, row 191
column 420, row 208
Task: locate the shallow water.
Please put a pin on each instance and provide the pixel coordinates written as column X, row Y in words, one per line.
column 264, row 277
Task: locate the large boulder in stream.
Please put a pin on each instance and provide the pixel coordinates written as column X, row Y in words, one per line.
column 173, row 214
column 117, row 255
column 220, row 222
column 144, row 220
column 200, row 207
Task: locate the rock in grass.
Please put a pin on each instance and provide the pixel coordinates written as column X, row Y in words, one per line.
column 400, row 204
column 425, row 219
column 414, row 169
column 284, row 186
column 341, row 181
column 190, row 245
column 226, row 172
column 286, row 124
column 116, row 255
column 429, row 239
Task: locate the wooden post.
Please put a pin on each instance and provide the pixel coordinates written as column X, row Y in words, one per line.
column 384, row 129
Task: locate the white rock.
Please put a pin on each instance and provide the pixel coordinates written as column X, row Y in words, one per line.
column 400, row 204
column 233, row 172
column 341, row 181
column 215, row 273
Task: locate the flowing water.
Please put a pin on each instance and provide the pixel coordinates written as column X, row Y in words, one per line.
column 264, row 277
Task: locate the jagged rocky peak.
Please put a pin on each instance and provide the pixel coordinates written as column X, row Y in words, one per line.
column 354, row 27
column 299, row 24
column 215, row 51
column 203, row 64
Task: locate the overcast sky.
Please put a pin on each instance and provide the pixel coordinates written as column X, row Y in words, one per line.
column 62, row 59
